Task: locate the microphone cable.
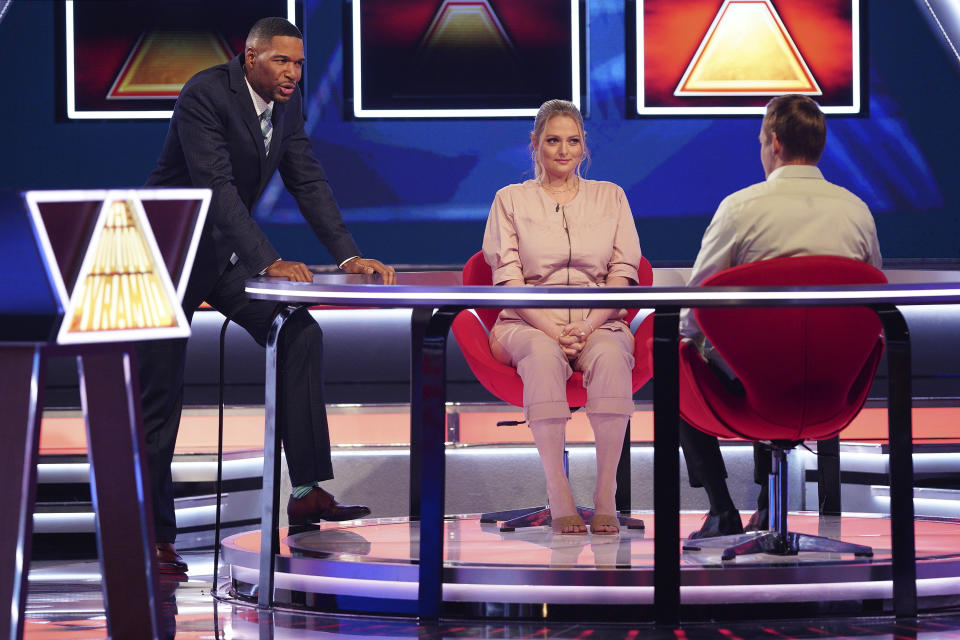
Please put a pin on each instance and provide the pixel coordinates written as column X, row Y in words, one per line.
column 566, row 229
column 216, row 527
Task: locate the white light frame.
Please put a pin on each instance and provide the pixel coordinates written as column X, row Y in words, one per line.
column 596, row 594
column 360, row 112
column 74, row 114
column 645, row 296
column 105, row 197
column 644, row 110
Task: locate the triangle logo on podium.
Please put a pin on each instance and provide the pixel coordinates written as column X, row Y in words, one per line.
column 122, row 284
column 747, row 51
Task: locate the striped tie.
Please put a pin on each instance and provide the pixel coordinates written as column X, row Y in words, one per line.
column 266, row 127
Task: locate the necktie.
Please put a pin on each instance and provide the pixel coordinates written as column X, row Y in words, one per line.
column 266, row 127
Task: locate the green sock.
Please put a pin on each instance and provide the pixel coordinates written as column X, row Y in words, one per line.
column 303, row 489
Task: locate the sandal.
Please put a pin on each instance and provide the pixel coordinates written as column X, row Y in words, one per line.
column 606, row 521
column 565, row 522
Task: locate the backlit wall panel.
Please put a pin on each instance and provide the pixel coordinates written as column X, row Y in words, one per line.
column 129, row 58
column 463, row 58
column 724, row 57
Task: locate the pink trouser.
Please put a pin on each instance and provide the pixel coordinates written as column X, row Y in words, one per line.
column 606, row 362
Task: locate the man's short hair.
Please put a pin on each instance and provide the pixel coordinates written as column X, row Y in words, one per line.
column 800, row 126
column 265, row 29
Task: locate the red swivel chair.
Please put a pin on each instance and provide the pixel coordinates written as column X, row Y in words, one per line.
column 504, row 382
column 806, row 372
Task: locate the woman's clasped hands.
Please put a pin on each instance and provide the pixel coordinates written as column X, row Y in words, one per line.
column 573, row 336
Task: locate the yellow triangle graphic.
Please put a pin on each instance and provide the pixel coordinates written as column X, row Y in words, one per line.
column 465, row 25
column 162, row 61
column 122, row 285
column 747, row 51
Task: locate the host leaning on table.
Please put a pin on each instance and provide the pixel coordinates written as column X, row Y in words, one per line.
column 233, row 127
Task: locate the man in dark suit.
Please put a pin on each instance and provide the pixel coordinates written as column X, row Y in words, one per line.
column 233, row 126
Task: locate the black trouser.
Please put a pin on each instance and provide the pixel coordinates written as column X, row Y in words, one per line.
column 301, row 417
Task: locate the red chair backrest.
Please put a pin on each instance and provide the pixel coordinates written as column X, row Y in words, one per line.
column 799, row 365
column 477, row 272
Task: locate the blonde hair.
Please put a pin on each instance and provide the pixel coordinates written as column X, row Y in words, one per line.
column 548, row 110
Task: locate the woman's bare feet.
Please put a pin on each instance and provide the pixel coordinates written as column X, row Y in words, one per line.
column 568, row 525
column 564, row 517
column 605, row 505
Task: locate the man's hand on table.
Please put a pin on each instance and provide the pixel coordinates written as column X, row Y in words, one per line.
column 292, row 271
column 369, row 266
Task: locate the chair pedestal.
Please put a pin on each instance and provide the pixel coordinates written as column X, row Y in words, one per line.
column 778, row 541
column 774, row 543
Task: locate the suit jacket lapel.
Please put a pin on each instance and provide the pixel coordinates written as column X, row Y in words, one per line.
column 244, row 106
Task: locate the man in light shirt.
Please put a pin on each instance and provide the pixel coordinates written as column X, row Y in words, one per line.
column 795, row 212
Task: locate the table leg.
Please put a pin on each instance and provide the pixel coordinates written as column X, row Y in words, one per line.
column 828, row 476
column 110, row 393
column 899, row 406
column 270, row 493
column 432, row 381
column 21, row 378
column 666, row 465
column 624, row 496
column 419, row 319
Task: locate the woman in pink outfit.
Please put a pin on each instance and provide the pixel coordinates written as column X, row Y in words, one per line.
column 560, row 229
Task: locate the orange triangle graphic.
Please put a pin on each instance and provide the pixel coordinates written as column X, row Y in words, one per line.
column 162, row 61
column 122, row 284
column 470, row 24
column 747, row 51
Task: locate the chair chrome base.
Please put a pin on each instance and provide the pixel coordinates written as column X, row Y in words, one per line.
column 778, row 540
column 510, row 514
column 774, row 543
column 540, row 517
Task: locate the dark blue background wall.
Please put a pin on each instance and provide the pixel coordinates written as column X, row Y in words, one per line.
column 417, row 192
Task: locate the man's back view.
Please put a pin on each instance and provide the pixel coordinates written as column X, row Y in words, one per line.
column 795, row 212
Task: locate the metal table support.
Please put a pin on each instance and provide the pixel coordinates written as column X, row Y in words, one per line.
column 270, row 501
column 419, row 319
column 899, row 407
column 666, row 465
column 22, row 379
column 110, row 393
column 431, row 379
column 828, row 476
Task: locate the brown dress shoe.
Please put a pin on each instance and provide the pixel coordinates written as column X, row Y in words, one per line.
column 320, row 505
column 168, row 560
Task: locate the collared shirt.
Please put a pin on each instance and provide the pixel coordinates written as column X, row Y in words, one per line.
column 259, row 104
column 795, row 212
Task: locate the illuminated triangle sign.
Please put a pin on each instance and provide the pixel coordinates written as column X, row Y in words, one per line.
column 747, row 51
column 162, row 61
column 466, row 24
column 122, row 290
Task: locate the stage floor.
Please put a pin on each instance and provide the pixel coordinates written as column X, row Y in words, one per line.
column 65, row 603
column 371, row 567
